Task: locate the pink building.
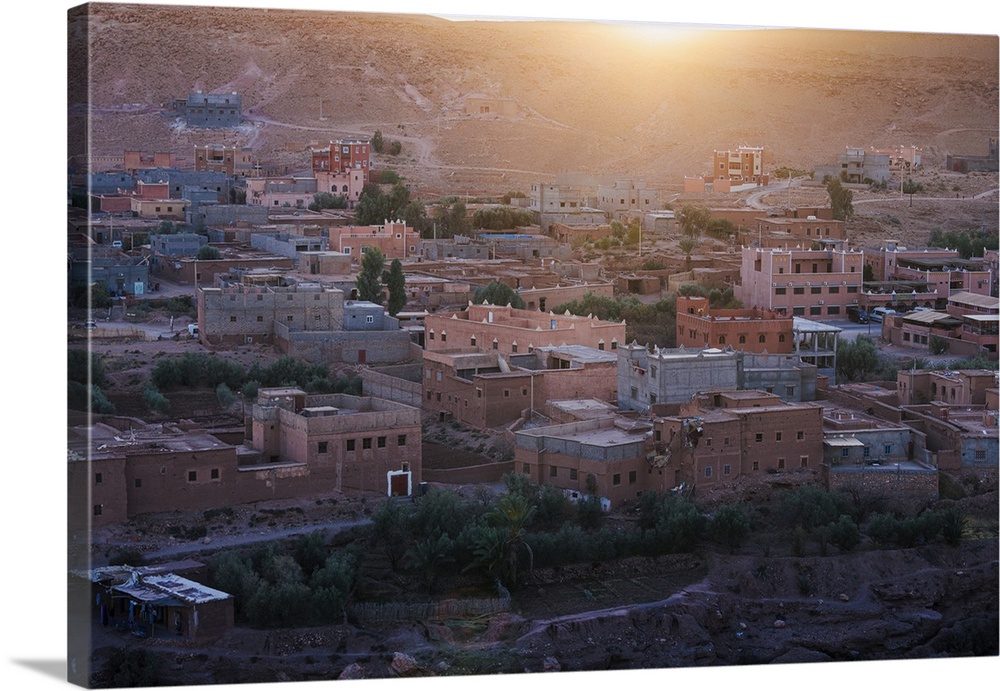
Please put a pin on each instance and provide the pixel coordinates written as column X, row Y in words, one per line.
column 510, row 331
column 818, row 284
column 393, row 238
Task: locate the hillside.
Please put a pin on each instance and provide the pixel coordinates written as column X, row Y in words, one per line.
column 590, row 98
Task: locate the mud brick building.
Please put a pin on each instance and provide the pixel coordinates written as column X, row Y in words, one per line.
column 753, row 330
column 719, row 437
column 211, row 110
column 342, row 442
column 510, row 331
column 605, row 457
column 485, row 389
column 818, row 284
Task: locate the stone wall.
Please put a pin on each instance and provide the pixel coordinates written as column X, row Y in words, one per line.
column 912, row 488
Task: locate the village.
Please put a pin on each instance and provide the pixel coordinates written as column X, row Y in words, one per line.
column 316, row 405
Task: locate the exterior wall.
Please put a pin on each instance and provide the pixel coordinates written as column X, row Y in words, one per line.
column 577, row 235
column 674, row 376
column 238, row 312
column 158, row 208
column 402, row 384
column 206, row 215
column 518, row 330
column 212, row 110
column 751, row 330
column 626, row 195
column 96, row 490
column 353, row 347
column 348, row 184
column 347, row 450
column 916, row 487
column 808, row 229
column 394, row 239
column 152, row 190
column 136, row 160
column 177, row 244
column 500, row 398
column 111, row 204
column 344, row 156
column 717, row 447
column 881, row 446
column 818, row 284
column 745, row 164
column 547, row 298
column 562, row 456
column 503, row 107
column 223, row 159
column 287, row 245
column 202, row 271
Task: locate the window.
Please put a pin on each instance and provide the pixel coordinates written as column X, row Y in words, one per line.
column 288, row 318
column 525, row 468
column 708, row 471
column 138, row 483
column 743, row 338
column 789, row 390
column 380, row 442
column 781, row 338
column 868, row 452
column 815, row 311
column 762, row 338
column 777, row 436
column 631, row 477
column 495, row 344
column 232, row 319
column 614, row 345
column 192, row 476
column 472, row 341
column 432, row 335
column 726, row 469
column 758, row 437
column 781, row 464
column 725, row 441
column 804, row 461
column 780, row 291
column 444, row 336
column 369, row 319
column 553, row 471
column 708, row 441
column 215, row 473
column 506, row 393
column 845, row 453
column 888, row 449
column 260, row 298
column 815, row 290
column 260, row 318
column 572, row 474
column 98, row 478
column 366, row 443
column 756, row 465
column 350, row 445
column 834, row 290
column 401, row 440
column 616, row 479
column 722, row 340
column 980, row 454
column 98, row 508
column 799, row 290
column 322, row 447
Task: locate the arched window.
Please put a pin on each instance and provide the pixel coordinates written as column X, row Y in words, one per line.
column 762, row 338
column 722, row 340
column 743, row 339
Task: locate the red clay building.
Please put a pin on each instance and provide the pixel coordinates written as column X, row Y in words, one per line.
column 753, row 330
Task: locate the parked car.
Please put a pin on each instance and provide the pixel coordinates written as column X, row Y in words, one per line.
column 880, row 312
column 858, row 315
column 89, row 324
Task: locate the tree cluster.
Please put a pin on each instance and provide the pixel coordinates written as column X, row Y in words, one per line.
column 841, row 200
column 307, row 584
column 496, row 293
column 501, row 218
column 326, row 200
column 648, row 324
column 969, row 243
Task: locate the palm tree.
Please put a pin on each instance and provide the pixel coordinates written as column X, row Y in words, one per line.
column 499, row 545
column 687, row 245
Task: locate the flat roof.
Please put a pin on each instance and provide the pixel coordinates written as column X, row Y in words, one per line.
column 809, row 326
column 843, row 441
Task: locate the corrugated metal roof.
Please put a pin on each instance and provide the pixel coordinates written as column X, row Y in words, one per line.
column 843, row 441
column 967, row 298
column 930, row 317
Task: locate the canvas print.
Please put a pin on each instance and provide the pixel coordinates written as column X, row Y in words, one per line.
column 410, row 346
